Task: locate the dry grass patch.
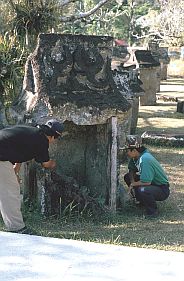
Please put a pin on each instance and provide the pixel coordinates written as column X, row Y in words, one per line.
column 161, row 125
column 161, row 118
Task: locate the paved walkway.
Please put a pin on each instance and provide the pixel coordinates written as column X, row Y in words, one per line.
column 28, row 258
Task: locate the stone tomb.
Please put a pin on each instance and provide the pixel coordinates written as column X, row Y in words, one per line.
column 127, row 81
column 149, row 75
column 69, row 78
column 160, row 54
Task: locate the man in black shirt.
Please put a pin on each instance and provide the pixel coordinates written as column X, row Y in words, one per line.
column 19, row 144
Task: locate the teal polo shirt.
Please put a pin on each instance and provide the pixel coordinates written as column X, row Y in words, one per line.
column 149, row 169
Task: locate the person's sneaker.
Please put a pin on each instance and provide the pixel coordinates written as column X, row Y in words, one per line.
column 152, row 216
column 24, row 230
column 139, row 204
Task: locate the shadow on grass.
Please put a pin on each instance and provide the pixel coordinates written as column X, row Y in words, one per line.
column 173, row 81
column 128, row 227
column 163, row 110
column 169, row 91
column 164, row 104
column 165, row 129
column 160, row 121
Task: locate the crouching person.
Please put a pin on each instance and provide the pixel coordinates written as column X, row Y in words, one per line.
column 146, row 179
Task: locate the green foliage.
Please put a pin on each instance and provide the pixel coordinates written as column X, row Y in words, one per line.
column 99, row 23
column 113, row 19
column 12, row 59
column 28, row 18
column 33, row 16
column 126, row 25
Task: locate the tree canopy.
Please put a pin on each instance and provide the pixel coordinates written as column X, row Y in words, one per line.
column 132, row 20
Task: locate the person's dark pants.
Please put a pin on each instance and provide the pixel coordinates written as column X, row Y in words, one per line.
column 148, row 195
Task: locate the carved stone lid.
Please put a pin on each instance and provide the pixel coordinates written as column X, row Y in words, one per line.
column 71, row 71
column 145, row 58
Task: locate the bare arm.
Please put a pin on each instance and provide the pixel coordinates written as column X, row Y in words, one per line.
column 139, row 183
column 51, row 164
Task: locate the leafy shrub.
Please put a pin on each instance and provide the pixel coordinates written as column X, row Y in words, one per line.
column 12, row 59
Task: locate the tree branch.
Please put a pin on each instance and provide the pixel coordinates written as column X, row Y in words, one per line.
column 156, row 33
column 82, row 15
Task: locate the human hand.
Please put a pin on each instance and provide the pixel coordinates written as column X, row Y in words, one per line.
column 51, row 164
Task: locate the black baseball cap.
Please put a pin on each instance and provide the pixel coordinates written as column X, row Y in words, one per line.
column 55, row 126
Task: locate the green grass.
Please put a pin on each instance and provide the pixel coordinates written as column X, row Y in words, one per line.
column 129, row 227
column 160, row 118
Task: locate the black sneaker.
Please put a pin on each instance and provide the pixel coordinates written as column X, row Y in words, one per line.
column 152, row 216
column 24, row 230
column 139, row 204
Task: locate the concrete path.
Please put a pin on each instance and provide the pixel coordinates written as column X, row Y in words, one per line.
column 28, row 258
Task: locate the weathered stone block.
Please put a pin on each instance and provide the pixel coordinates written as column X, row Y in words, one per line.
column 180, row 106
column 69, row 78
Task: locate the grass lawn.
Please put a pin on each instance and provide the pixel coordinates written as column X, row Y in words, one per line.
column 129, row 227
